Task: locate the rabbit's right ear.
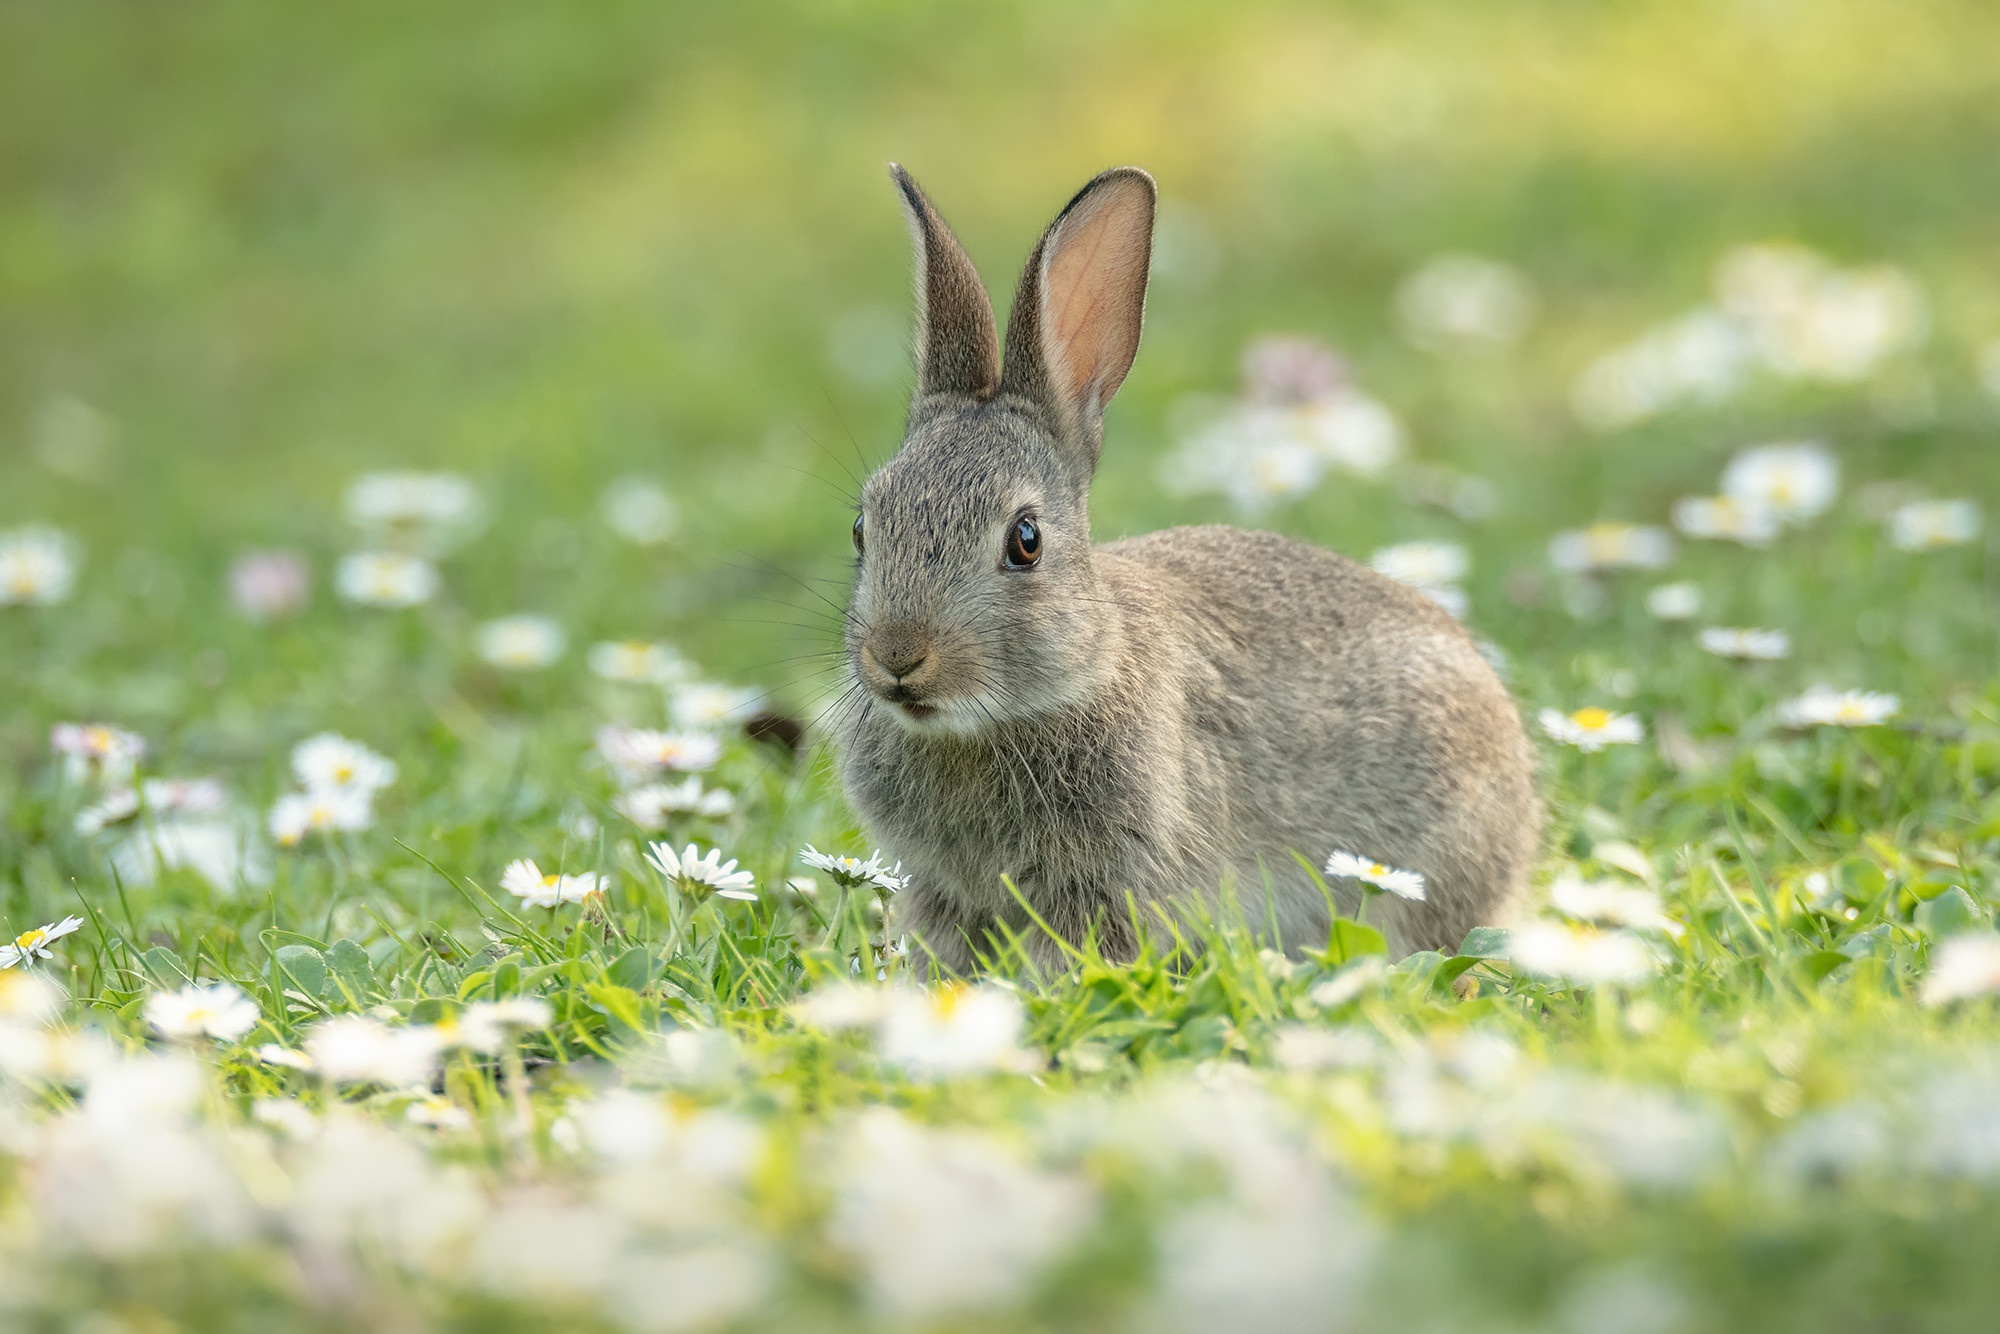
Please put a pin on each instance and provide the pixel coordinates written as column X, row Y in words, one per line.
column 957, row 347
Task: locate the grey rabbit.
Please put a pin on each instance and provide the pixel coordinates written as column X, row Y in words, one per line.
column 1165, row 716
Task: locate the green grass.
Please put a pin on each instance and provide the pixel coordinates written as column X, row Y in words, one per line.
column 275, row 250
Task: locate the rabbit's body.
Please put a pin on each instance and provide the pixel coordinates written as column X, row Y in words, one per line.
column 1166, row 717
column 1258, row 697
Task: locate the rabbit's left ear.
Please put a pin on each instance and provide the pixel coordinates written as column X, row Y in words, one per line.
column 958, row 351
column 1075, row 325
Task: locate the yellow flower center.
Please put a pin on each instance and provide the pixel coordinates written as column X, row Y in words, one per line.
column 27, row 940
column 343, row 773
column 549, row 880
column 946, row 998
column 1377, row 868
column 1592, row 719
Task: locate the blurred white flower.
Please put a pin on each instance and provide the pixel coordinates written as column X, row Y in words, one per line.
column 1725, row 518
column 635, row 663
column 521, row 643
column 1735, row 642
column 649, row 806
column 1611, row 546
column 438, row 504
column 355, row 1049
column 296, row 814
column 1964, row 966
column 951, row 1030
column 1424, row 564
column 331, row 763
column 488, row 1025
column 37, row 567
column 1403, row 884
column 1350, row 982
column 702, row 875
column 1291, row 368
column 1674, row 602
column 1608, row 903
column 1989, row 367
column 1592, row 728
column 1702, row 357
column 1823, row 706
column 1921, row 525
column 218, row 1010
column 266, row 585
column 1455, row 300
column 33, row 944
column 385, row 579
column 525, row 881
column 635, row 753
column 854, row 873
column 96, row 750
column 639, row 510
column 1791, row 481
column 1009, row 1220
column 437, row 1113
column 223, row 851
column 1580, row 955
column 287, row 1116
column 1810, row 320
column 835, row 1005
column 704, row 706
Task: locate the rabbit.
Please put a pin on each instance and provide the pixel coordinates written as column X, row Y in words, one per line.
column 1172, row 717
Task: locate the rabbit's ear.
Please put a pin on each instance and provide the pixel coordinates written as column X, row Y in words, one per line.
column 957, row 349
column 1075, row 325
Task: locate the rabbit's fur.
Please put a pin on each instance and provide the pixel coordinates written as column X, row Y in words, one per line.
column 1169, row 715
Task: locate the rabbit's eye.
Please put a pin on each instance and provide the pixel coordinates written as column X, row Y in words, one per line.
column 857, row 534
column 1024, row 544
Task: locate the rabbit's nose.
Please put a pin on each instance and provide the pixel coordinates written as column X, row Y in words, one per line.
column 900, row 651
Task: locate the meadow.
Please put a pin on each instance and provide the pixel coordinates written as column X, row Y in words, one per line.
column 428, row 442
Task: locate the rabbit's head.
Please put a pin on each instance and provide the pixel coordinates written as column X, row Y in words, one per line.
column 975, row 596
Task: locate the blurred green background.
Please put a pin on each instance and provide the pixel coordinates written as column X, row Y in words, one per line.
column 548, row 245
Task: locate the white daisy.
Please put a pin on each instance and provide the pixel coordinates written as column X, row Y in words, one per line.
column 704, row 705
column 1965, row 966
column 393, row 500
column 702, row 875
column 1608, row 903
column 854, row 873
column 633, row 662
column 525, row 881
column 32, row 945
column 37, row 567
column 1791, row 481
column 1456, row 300
column 96, row 750
column 639, row 511
column 1823, row 706
column 1674, row 602
column 1725, row 518
column 650, row 805
column 385, row 579
column 1921, row 525
column 297, row 814
column 434, row 1112
column 1423, row 564
column 1403, row 884
column 116, row 808
column 1732, row 642
column 952, row 1030
column 1592, row 728
column 1611, row 546
column 521, row 643
column 1580, row 955
column 330, row 762
column 636, row 752
column 216, row 1011
column 488, row 1025
column 355, row 1049
column 266, row 585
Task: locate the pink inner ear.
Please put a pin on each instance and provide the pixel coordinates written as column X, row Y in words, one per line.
column 1094, row 292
